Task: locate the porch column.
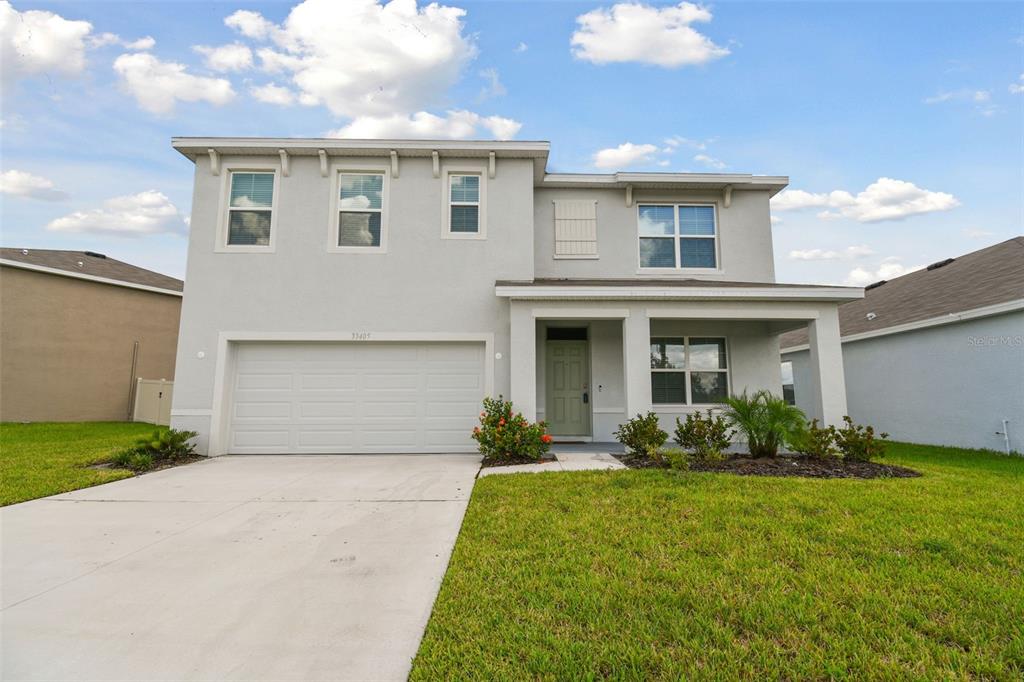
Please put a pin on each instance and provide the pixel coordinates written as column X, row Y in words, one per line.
column 523, row 360
column 636, row 361
column 829, row 396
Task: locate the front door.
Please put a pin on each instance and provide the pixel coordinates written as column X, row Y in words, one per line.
column 567, row 402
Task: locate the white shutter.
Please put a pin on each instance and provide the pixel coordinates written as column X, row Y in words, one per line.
column 576, row 228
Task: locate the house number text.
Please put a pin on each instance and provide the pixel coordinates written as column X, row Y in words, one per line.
column 360, row 336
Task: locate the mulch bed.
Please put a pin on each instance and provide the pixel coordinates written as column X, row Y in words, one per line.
column 157, row 466
column 546, row 457
column 783, row 465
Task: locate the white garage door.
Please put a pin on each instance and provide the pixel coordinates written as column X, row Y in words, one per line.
column 355, row 397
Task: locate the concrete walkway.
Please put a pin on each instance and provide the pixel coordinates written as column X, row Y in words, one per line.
column 566, row 460
column 242, row 568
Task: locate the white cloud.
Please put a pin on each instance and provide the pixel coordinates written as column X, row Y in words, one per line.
column 890, row 268
column 521, row 47
column 22, row 184
column 37, row 41
column 134, row 215
column 493, row 87
column 1018, row 87
column 884, row 199
column 233, row 57
column 273, row 94
column 625, row 155
column 710, row 161
column 142, row 44
column 158, row 85
column 981, row 99
column 977, row 233
column 676, row 141
column 639, row 33
column 456, row 124
column 360, row 58
column 849, row 253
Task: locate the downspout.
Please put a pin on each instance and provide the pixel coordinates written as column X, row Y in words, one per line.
column 132, row 382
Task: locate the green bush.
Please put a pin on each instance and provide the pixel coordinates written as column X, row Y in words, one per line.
column 503, row 436
column 167, row 444
column 677, row 458
column 767, row 421
column 642, row 436
column 817, row 442
column 858, row 443
column 705, row 437
column 134, row 459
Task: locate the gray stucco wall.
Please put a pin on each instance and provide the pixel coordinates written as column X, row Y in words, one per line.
column 945, row 385
column 745, row 238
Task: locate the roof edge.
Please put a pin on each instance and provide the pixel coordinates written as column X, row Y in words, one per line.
column 91, row 278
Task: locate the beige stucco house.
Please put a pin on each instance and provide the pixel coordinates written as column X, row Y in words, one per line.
column 77, row 329
column 365, row 295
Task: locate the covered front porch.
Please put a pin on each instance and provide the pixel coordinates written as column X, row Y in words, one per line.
column 584, row 357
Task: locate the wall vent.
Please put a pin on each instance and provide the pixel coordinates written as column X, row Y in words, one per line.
column 93, row 254
column 875, row 285
column 936, row 266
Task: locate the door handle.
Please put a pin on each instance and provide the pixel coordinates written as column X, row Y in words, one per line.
column 586, row 398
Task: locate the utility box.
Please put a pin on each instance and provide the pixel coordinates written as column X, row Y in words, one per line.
column 153, row 401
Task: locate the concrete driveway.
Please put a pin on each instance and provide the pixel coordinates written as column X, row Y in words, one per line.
column 246, row 568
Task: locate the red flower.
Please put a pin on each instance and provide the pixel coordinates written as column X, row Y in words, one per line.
column 546, row 438
column 501, row 422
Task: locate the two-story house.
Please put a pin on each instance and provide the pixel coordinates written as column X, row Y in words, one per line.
column 350, row 296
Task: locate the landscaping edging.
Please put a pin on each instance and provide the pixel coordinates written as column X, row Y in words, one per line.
column 783, row 465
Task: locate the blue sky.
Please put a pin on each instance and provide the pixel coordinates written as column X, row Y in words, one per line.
column 901, row 126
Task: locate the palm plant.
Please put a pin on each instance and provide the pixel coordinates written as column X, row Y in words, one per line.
column 767, row 421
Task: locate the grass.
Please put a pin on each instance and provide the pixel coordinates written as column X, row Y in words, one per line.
column 43, row 459
column 658, row 575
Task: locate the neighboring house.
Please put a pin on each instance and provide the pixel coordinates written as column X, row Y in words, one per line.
column 76, row 331
column 935, row 356
column 365, row 295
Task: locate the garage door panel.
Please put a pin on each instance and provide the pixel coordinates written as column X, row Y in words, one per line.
column 356, row 397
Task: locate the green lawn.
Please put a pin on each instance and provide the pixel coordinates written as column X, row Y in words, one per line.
column 43, row 459
column 656, row 575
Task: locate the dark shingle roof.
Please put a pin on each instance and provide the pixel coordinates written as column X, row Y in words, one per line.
column 92, row 264
column 982, row 278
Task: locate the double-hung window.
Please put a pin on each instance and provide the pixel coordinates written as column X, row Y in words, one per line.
column 360, row 221
column 464, row 204
column 688, row 370
column 677, row 236
column 250, row 208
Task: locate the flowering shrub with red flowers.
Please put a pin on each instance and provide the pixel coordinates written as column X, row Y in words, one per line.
column 504, row 436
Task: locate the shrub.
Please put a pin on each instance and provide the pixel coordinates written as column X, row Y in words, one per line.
column 642, row 436
column 767, row 421
column 705, row 437
column 858, row 443
column 167, row 444
column 817, row 442
column 677, row 458
column 134, row 459
column 503, row 436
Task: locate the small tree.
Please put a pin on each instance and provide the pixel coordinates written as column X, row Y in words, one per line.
column 767, row 421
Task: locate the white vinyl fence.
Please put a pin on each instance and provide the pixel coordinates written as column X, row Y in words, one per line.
column 153, row 401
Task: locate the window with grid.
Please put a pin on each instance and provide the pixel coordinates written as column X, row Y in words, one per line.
column 688, row 370
column 464, row 203
column 360, row 209
column 677, row 236
column 250, row 208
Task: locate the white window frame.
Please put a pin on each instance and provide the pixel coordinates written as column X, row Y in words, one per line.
column 334, row 224
column 446, row 203
column 224, row 214
column 677, row 236
column 687, row 370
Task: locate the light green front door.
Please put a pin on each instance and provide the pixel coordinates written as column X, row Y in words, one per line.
column 567, row 404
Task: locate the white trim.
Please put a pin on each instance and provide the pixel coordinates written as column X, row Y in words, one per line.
column 223, row 215
column 580, row 313
column 449, row 170
column 528, row 292
column 90, row 278
column 951, row 318
column 225, row 362
column 334, row 224
column 609, row 410
column 192, row 412
column 286, row 166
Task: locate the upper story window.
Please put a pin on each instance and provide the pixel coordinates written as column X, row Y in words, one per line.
column 359, row 221
column 678, row 236
column 250, row 210
column 688, row 370
column 465, row 197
